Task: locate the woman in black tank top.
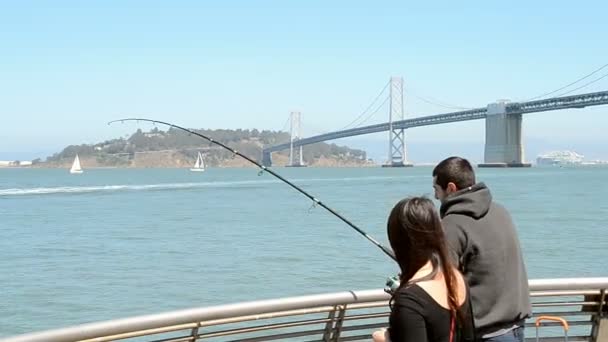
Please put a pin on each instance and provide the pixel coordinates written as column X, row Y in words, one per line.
column 432, row 303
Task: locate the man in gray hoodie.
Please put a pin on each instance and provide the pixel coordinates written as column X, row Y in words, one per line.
column 483, row 240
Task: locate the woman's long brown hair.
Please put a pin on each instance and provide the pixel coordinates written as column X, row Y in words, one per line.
column 416, row 236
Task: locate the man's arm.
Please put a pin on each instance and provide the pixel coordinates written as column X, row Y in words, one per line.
column 456, row 239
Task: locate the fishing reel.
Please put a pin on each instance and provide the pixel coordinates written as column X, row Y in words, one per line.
column 392, row 284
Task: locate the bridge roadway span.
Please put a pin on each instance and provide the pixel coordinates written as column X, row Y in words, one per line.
column 514, row 108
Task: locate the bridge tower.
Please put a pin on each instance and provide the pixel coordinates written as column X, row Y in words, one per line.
column 396, row 136
column 295, row 154
column 504, row 146
column 266, row 158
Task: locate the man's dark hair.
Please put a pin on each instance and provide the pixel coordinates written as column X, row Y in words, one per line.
column 455, row 170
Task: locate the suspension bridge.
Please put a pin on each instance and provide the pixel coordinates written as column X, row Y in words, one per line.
column 503, row 128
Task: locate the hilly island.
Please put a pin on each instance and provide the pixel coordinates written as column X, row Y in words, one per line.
column 176, row 149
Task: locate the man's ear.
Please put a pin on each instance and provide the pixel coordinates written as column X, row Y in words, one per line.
column 451, row 188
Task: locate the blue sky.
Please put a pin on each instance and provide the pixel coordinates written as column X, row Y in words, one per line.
column 68, row 67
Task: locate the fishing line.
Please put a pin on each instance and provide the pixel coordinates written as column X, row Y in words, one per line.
column 315, row 201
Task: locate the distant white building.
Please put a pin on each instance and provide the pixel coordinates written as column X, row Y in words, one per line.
column 14, row 163
column 560, row 158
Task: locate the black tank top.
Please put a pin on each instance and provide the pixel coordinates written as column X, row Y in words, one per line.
column 417, row 317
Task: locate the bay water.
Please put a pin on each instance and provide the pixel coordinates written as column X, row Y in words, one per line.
column 113, row 243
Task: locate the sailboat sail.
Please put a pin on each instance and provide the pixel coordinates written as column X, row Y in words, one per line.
column 199, row 165
column 202, row 164
column 76, row 166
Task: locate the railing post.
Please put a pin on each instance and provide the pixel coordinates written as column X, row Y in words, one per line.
column 333, row 328
column 339, row 322
column 599, row 331
column 194, row 334
column 329, row 325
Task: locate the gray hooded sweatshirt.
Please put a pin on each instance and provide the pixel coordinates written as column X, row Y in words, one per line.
column 482, row 237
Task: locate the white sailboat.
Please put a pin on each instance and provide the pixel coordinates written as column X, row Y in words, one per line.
column 76, row 166
column 199, row 166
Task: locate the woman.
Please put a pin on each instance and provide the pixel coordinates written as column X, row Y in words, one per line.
column 431, row 303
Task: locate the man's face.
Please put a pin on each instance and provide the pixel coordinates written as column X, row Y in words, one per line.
column 440, row 194
column 443, row 194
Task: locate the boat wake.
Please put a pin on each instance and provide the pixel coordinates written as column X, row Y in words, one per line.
column 173, row 186
column 114, row 188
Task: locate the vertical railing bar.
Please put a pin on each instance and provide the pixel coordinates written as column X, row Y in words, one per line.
column 329, row 325
column 339, row 322
column 602, row 302
column 194, row 334
column 595, row 319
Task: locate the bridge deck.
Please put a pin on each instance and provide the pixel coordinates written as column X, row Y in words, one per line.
column 557, row 103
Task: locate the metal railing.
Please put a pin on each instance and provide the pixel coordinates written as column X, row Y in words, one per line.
column 342, row 316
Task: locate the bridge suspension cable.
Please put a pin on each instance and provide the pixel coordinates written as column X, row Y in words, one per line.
column 572, row 83
column 584, row 85
column 284, row 128
column 439, row 104
column 435, row 102
column 372, row 113
column 368, row 108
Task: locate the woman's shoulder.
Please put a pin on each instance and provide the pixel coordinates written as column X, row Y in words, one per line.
column 435, row 291
column 410, row 290
column 412, row 295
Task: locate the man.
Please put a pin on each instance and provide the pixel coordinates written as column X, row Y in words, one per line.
column 484, row 243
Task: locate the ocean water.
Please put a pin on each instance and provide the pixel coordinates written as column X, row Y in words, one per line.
column 113, row 243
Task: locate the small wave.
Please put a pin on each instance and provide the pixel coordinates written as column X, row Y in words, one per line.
column 351, row 179
column 170, row 186
column 113, row 188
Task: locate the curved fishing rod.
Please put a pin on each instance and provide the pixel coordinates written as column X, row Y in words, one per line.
column 264, row 168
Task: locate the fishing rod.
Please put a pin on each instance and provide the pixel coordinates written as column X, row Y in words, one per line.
column 263, row 168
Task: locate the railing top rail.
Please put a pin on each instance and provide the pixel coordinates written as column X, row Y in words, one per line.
column 119, row 326
column 568, row 284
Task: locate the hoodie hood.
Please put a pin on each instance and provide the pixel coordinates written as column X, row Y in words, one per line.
column 473, row 201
